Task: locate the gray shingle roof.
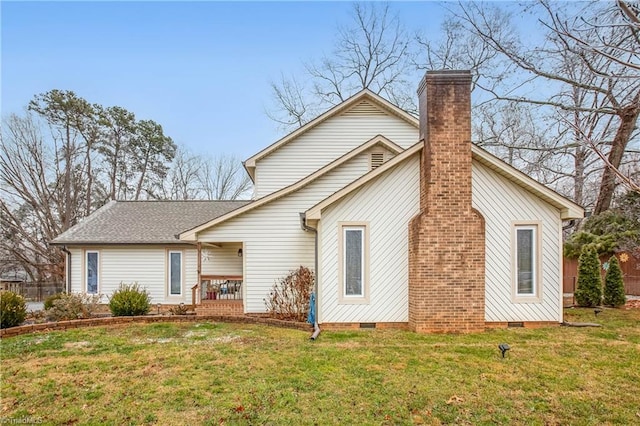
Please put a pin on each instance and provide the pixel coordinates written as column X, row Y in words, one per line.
column 144, row 222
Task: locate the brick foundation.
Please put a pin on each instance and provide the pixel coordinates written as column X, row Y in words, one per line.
column 525, row 324
column 446, row 240
column 337, row 326
column 220, row 307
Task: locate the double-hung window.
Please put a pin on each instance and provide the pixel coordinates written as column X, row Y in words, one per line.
column 354, row 263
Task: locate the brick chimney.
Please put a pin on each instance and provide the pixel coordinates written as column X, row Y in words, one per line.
column 446, row 239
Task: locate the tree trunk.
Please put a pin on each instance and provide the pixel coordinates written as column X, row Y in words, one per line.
column 628, row 119
column 143, row 173
column 89, row 181
column 66, row 220
column 578, row 180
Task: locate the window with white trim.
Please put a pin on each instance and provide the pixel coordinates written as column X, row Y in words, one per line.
column 526, row 260
column 353, row 260
column 92, row 268
column 175, row 273
column 353, row 263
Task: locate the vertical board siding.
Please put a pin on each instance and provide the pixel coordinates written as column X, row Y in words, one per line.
column 145, row 265
column 274, row 242
column 387, row 203
column 502, row 202
column 325, row 143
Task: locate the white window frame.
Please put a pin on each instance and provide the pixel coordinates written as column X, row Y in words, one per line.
column 169, row 273
column 363, row 297
column 86, row 271
column 536, row 270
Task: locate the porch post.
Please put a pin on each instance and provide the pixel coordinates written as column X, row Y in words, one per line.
column 199, row 247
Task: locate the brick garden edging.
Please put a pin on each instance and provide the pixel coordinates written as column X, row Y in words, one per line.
column 94, row 322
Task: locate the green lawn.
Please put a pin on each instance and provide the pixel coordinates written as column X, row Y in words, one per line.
column 204, row 373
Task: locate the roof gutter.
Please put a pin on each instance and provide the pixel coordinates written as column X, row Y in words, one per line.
column 307, row 228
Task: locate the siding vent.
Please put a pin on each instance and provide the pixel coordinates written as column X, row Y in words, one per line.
column 367, row 325
column 377, row 158
column 364, row 108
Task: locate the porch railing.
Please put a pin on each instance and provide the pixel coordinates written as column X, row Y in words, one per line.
column 217, row 287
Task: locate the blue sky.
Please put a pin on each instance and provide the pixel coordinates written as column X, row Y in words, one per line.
column 200, row 69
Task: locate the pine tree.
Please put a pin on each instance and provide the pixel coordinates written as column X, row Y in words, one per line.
column 614, row 285
column 589, row 286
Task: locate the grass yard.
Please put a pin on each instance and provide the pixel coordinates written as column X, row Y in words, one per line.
column 204, row 373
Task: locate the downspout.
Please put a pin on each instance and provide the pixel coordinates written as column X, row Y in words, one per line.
column 68, row 270
column 307, row 228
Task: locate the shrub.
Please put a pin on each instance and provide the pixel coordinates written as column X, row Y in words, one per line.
column 589, row 286
column 614, row 284
column 48, row 302
column 179, row 310
column 13, row 309
column 289, row 299
column 129, row 300
column 71, row 306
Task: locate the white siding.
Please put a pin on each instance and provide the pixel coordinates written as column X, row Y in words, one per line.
column 222, row 261
column 325, row 143
column 145, row 265
column 390, row 201
column 273, row 240
column 77, row 266
column 502, row 202
column 387, row 203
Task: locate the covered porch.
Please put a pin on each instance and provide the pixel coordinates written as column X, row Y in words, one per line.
column 219, row 289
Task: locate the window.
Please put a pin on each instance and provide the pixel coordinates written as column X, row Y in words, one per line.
column 354, row 263
column 175, row 273
column 526, row 259
column 91, row 268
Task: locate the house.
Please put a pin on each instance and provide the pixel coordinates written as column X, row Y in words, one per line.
column 405, row 221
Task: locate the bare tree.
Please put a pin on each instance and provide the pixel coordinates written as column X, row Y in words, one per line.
column 610, row 88
column 33, row 199
column 193, row 177
column 372, row 53
column 224, row 178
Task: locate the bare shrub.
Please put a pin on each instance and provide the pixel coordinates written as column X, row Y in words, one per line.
column 71, row 306
column 180, row 309
column 289, row 298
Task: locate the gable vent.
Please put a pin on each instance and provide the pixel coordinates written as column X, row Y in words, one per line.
column 364, row 108
column 377, row 158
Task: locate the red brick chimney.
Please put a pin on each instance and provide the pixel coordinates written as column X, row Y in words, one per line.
column 446, row 239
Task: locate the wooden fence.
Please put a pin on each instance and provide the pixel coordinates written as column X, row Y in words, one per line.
column 35, row 292
column 630, row 271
